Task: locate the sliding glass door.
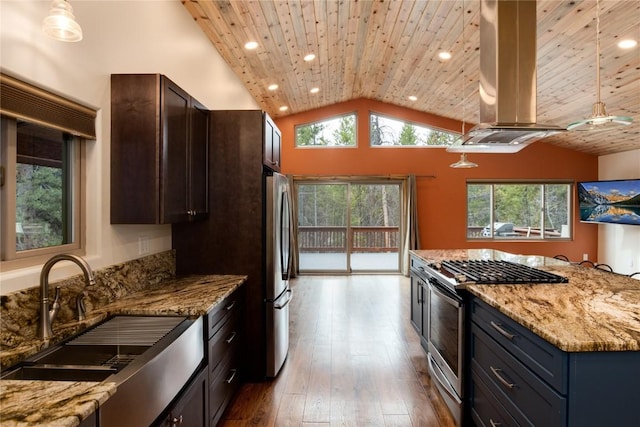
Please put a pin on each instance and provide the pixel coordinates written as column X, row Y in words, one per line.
column 348, row 226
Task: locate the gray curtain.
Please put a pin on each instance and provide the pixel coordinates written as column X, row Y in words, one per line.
column 412, row 235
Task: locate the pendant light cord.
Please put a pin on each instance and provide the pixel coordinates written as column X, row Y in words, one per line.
column 598, row 50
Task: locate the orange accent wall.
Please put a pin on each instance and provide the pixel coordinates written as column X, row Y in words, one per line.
column 441, row 189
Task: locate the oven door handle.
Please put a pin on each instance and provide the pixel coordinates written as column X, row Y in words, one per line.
column 454, row 302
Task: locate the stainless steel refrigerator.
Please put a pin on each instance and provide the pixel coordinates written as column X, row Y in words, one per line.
column 278, row 292
column 247, row 232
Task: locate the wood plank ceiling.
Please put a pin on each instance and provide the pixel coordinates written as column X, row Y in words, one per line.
column 388, row 50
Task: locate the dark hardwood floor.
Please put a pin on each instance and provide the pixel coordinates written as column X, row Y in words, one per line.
column 354, row 360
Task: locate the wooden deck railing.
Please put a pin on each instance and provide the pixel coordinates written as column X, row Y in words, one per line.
column 361, row 239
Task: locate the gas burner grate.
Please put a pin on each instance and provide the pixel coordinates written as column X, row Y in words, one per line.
column 496, row 272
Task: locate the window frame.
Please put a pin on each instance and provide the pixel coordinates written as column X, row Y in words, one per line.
column 335, row 117
column 11, row 258
column 542, row 237
column 412, row 123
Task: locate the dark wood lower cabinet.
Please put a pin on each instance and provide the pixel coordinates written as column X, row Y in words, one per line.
column 225, row 340
column 191, row 408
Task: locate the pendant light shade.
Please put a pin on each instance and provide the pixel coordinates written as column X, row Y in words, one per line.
column 61, row 24
column 599, row 119
column 463, row 163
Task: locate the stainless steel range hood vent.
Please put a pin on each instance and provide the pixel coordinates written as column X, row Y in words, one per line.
column 507, row 80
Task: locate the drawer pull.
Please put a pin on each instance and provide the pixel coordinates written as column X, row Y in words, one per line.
column 230, row 306
column 231, row 337
column 502, row 331
column 500, row 378
column 494, row 423
column 232, row 376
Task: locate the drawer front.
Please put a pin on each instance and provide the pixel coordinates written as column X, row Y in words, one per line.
column 546, row 360
column 219, row 315
column 225, row 342
column 486, row 411
column 514, row 385
column 222, row 388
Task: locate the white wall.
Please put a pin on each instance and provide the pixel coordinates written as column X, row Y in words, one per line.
column 619, row 245
column 119, row 37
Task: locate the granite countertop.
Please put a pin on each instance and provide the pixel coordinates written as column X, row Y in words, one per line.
column 62, row 403
column 596, row 311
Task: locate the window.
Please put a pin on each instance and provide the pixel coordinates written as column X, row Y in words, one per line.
column 40, row 195
column 385, row 131
column 333, row 132
column 41, row 144
column 519, row 210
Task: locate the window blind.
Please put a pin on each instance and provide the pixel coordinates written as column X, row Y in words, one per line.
column 24, row 101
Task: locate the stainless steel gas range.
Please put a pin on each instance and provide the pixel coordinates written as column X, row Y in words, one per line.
column 446, row 315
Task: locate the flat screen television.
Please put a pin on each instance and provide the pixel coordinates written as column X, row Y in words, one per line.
column 612, row 202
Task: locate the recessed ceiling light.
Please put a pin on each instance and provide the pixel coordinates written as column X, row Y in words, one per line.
column 273, row 87
column 627, row 44
column 251, row 45
column 315, row 90
column 309, row 57
column 445, row 56
column 412, row 98
column 284, row 108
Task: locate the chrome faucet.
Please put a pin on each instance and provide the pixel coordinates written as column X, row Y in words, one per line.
column 48, row 315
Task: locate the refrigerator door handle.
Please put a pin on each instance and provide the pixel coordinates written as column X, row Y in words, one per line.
column 285, row 252
column 289, row 292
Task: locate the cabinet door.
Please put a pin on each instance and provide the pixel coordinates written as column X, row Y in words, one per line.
column 198, row 162
column 174, row 151
column 271, row 144
column 191, row 408
column 416, row 303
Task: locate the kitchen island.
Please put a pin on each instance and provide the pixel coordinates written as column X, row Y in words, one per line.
column 27, row 403
column 549, row 354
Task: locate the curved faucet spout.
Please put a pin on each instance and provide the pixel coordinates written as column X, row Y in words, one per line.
column 46, row 315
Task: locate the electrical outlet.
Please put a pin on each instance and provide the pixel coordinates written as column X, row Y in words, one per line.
column 585, row 257
column 143, row 245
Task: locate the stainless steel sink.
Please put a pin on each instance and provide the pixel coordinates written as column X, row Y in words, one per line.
column 150, row 358
column 60, row 373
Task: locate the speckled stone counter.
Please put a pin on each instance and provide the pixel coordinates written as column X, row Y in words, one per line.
column 595, row 311
column 59, row 403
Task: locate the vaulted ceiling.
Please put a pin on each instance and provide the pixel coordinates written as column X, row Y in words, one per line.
column 388, row 50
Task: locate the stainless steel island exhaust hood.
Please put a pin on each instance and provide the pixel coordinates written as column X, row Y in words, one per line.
column 507, row 80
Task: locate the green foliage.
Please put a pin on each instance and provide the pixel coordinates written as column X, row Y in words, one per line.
column 326, row 204
column 39, row 204
column 307, row 135
column 408, row 135
column 345, row 135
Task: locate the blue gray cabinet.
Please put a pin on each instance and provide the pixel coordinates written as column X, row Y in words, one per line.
column 518, row 378
column 419, row 295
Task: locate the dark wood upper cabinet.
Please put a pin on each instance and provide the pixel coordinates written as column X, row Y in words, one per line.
column 272, row 143
column 159, row 151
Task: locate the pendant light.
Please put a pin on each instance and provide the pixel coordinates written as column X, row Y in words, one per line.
column 463, row 162
column 61, row 24
column 599, row 119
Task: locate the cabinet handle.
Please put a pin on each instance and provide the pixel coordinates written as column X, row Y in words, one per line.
column 502, row 331
column 496, row 372
column 232, row 376
column 231, row 337
column 494, row 423
column 176, row 421
column 230, row 306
